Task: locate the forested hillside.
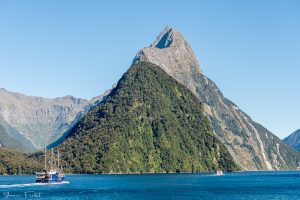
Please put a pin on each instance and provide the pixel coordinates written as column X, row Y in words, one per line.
column 148, row 123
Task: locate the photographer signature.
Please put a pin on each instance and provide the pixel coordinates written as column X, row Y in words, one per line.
column 29, row 194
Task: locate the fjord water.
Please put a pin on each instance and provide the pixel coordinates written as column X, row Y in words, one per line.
column 248, row 185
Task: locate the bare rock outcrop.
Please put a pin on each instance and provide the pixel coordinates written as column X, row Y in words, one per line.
column 173, row 53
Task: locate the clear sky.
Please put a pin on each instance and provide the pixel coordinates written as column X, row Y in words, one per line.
column 251, row 49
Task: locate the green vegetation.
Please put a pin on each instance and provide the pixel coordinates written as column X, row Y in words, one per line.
column 14, row 162
column 149, row 123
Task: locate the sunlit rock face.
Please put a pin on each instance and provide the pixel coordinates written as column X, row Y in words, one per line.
column 172, row 52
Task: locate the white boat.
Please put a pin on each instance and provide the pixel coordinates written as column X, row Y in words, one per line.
column 220, row 173
column 53, row 175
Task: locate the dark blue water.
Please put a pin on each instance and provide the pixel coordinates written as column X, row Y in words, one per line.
column 250, row 185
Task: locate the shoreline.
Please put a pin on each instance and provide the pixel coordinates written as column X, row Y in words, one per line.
column 158, row 173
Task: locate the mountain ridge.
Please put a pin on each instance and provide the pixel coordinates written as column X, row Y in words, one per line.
column 38, row 118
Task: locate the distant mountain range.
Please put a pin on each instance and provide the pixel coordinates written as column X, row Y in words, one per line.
column 149, row 122
column 294, row 139
column 30, row 123
column 38, row 119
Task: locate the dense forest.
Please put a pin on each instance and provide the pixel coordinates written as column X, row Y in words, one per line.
column 148, row 123
column 14, row 162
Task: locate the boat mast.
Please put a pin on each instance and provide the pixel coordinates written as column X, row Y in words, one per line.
column 58, row 160
column 45, row 159
column 52, row 158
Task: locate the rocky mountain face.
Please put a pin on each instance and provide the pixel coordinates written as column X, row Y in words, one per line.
column 10, row 137
column 172, row 52
column 293, row 140
column 39, row 120
column 252, row 146
column 148, row 123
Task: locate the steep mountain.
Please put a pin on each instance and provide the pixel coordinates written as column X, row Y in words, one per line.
column 40, row 120
column 252, row 146
column 148, row 123
column 293, row 140
column 10, row 137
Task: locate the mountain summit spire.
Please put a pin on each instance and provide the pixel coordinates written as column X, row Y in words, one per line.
column 169, row 37
column 172, row 52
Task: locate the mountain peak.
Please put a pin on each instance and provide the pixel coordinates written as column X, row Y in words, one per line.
column 167, row 38
column 173, row 54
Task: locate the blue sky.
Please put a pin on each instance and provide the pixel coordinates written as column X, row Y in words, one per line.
column 251, row 49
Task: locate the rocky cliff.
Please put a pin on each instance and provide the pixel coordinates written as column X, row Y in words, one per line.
column 252, row 146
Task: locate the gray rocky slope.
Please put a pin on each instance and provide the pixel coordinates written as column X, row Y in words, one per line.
column 10, row 137
column 252, row 146
column 30, row 123
column 293, row 139
column 39, row 120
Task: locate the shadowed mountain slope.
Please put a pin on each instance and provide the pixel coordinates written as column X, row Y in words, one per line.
column 293, row 140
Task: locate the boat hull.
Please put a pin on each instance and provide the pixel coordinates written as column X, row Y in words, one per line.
column 50, row 178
